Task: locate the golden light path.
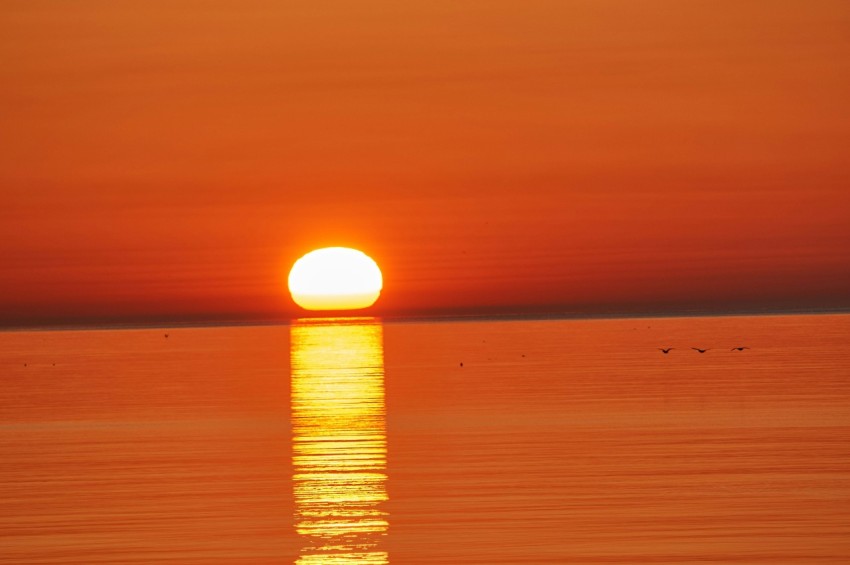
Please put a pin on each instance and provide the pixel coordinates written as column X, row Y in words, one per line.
column 335, row 278
column 339, row 440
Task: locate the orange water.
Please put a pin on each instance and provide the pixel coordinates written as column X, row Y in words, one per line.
column 555, row 442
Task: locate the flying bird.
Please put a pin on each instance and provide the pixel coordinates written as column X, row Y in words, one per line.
column 698, row 349
column 739, row 348
column 665, row 351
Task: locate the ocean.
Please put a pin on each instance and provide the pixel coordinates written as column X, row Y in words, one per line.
column 452, row 442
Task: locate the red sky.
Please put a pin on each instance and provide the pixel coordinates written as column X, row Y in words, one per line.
column 171, row 159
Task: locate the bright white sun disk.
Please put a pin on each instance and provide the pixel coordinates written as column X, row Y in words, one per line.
column 335, row 278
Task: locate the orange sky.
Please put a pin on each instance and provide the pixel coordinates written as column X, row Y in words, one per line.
column 171, row 159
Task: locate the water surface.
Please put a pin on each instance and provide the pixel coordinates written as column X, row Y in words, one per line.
column 553, row 442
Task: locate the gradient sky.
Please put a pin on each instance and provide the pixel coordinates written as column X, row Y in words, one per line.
column 171, row 159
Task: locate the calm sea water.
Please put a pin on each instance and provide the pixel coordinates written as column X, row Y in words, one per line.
column 444, row 442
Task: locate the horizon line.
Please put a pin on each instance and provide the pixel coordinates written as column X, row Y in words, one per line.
column 415, row 317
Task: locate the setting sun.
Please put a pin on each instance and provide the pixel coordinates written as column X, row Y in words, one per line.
column 335, row 278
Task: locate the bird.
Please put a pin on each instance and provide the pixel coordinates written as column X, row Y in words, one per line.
column 665, row 351
column 461, row 363
column 740, row 348
column 166, row 335
column 698, row 349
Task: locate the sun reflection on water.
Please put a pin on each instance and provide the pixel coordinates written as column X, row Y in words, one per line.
column 339, row 440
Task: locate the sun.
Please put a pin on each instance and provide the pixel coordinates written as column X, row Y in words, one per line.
column 335, row 278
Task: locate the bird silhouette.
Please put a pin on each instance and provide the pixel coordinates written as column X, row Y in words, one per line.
column 698, row 349
column 741, row 348
column 166, row 335
column 665, row 351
